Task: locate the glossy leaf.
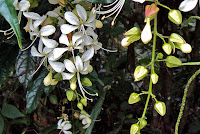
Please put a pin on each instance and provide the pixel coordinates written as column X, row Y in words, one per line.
column 1, row 124
column 94, row 76
column 8, row 11
column 10, row 111
column 33, row 95
column 24, row 65
column 100, row 1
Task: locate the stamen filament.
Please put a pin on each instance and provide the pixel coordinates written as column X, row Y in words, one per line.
column 31, row 43
column 42, row 61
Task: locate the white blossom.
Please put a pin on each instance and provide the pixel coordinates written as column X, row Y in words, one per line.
column 64, row 126
column 187, row 5
column 86, row 121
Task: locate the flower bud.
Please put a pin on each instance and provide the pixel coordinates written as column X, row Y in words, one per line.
column 133, row 31
column 143, row 123
column 47, row 80
column 174, row 37
column 86, row 82
column 172, row 61
column 54, row 82
column 175, row 16
column 159, row 56
column 151, row 10
column 62, row 3
column 160, row 108
column 80, row 105
column 50, row 21
column 84, row 101
column 125, row 42
column 134, row 129
column 73, row 85
column 185, row 48
column 53, row 99
column 90, row 69
column 33, row 3
column 167, row 48
column 99, row 24
column 70, row 95
column 154, row 78
column 134, row 98
column 146, row 34
column 140, row 72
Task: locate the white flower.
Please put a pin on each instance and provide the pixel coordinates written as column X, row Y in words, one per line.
column 23, row 5
column 64, row 126
column 78, row 23
column 86, row 121
column 57, row 14
column 76, row 1
column 187, row 5
column 53, row 2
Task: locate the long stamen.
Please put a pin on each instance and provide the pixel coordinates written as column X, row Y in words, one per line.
column 107, row 50
column 111, row 4
column 11, row 35
column 39, row 66
column 30, row 44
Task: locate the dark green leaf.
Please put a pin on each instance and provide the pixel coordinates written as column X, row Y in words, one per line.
column 10, row 111
column 24, row 65
column 1, row 124
column 94, row 76
column 96, row 110
column 33, row 95
column 100, row 1
column 8, row 11
column 7, row 60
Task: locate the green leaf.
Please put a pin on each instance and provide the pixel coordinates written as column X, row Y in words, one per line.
column 8, row 11
column 94, row 76
column 100, row 1
column 96, row 110
column 7, row 60
column 1, row 124
column 33, row 95
column 10, row 111
column 24, row 65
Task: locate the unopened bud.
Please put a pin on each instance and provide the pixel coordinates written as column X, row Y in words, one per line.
column 62, row 3
column 134, row 98
column 70, row 95
column 99, row 24
column 84, row 101
column 50, row 21
column 90, row 69
column 54, row 82
column 175, row 16
column 143, row 123
column 134, row 129
column 80, row 105
column 47, row 80
column 73, row 85
column 174, row 37
column 160, row 108
column 125, row 42
column 185, row 48
column 167, row 48
column 133, row 31
column 140, row 72
column 172, row 61
column 154, row 78
column 86, row 82
column 146, row 34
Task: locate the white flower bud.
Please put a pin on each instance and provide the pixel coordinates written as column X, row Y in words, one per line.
column 146, row 34
column 185, row 48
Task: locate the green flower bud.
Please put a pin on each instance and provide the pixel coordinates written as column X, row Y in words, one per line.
column 160, row 108
column 134, row 129
column 73, row 85
column 172, row 61
column 58, row 77
column 86, row 82
column 133, row 98
column 70, row 95
column 84, row 101
column 143, row 123
column 50, row 21
column 154, row 78
column 174, row 37
column 54, row 82
column 80, row 105
column 129, row 39
column 175, row 16
column 185, row 48
column 99, row 24
column 140, row 72
column 159, row 56
column 167, row 48
column 133, row 31
column 53, row 99
column 90, row 69
column 47, row 79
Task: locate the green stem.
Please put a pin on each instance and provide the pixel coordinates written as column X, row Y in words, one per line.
column 152, row 65
column 184, row 99
column 191, row 63
column 160, row 35
column 164, row 6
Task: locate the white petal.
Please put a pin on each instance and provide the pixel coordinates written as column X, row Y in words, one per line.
column 92, row 24
column 69, row 65
column 187, row 5
column 87, row 40
column 86, row 126
column 47, row 50
column 81, row 12
column 91, row 18
column 87, row 55
column 35, row 53
column 91, row 32
column 71, row 18
column 76, row 36
column 53, row 2
column 141, row 1
column 15, row 4
column 59, row 123
column 67, row 76
column 47, row 30
column 39, row 21
column 31, row 15
column 50, row 43
column 67, row 126
column 24, row 5
column 40, row 46
column 57, row 66
column 66, row 28
column 82, row 116
column 67, row 132
column 84, row 121
column 86, row 65
column 64, row 39
column 57, row 52
column 52, row 14
column 78, row 63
